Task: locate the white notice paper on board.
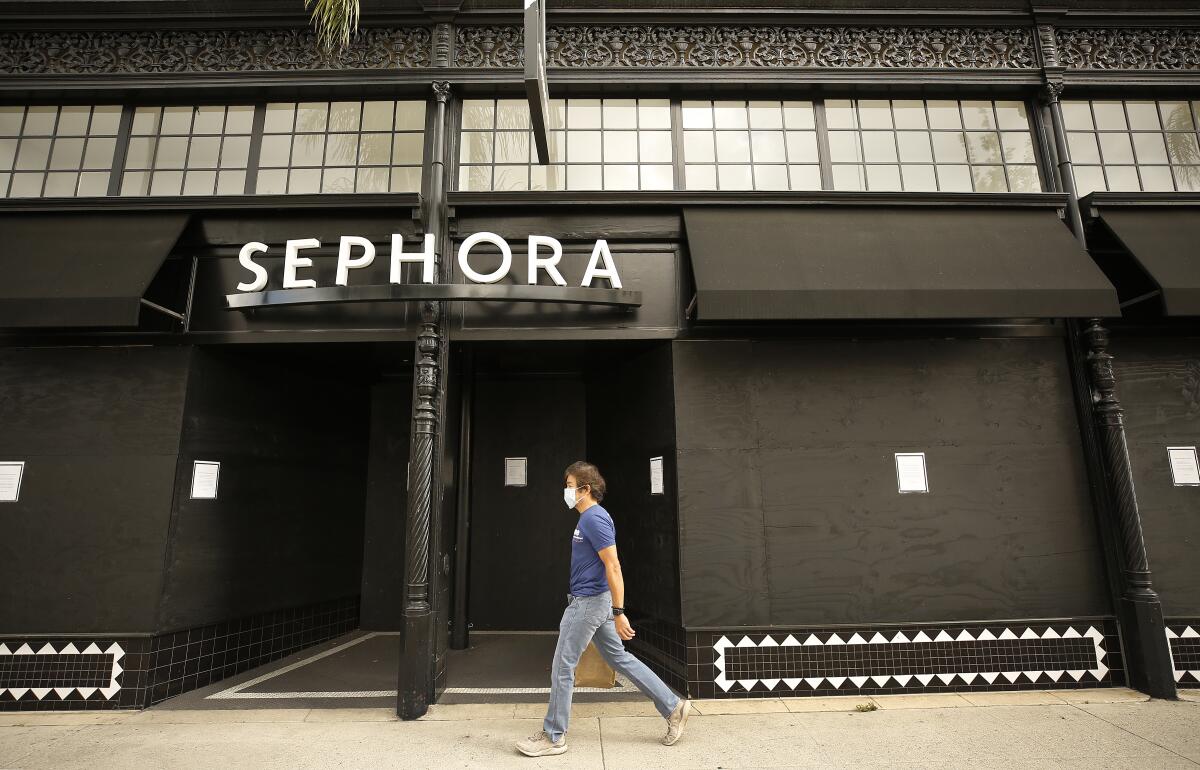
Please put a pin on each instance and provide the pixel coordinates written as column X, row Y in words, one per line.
column 10, row 481
column 656, row 475
column 515, row 471
column 204, row 480
column 910, row 472
column 1185, row 471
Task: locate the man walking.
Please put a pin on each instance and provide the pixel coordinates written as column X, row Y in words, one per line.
column 595, row 612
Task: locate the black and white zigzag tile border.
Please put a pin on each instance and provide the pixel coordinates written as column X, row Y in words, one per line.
column 1185, row 653
column 18, row 663
column 1081, row 651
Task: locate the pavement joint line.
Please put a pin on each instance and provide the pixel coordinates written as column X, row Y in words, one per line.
column 1130, row 732
column 236, row 690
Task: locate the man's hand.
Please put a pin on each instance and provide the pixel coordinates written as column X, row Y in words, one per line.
column 624, row 630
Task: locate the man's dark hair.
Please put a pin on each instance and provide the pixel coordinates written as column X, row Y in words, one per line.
column 586, row 475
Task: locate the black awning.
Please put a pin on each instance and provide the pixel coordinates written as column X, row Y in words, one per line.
column 80, row 269
column 871, row 262
column 1165, row 242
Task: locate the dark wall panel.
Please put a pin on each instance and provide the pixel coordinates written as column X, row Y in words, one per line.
column 1158, row 381
column 98, row 429
column 520, row 537
column 631, row 418
column 788, row 502
column 386, row 506
column 287, row 527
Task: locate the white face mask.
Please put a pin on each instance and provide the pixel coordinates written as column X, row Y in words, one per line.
column 569, row 496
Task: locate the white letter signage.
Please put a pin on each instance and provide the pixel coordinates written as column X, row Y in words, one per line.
column 345, row 264
column 293, row 260
column 464, row 252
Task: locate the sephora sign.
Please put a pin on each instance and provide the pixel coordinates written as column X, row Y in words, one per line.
column 356, row 253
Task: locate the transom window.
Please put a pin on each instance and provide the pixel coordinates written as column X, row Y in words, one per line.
column 57, row 151
column 945, row 145
column 756, row 145
column 597, row 144
column 188, row 150
column 1133, row 145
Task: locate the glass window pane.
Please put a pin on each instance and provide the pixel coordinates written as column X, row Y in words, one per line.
column 658, row 177
column 39, row 121
column 68, row 153
column 410, row 116
column 1017, row 147
column 172, row 150
column 512, row 114
column 1143, row 116
column 844, row 147
column 584, row 177
column 770, row 177
column 978, row 115
column 879, row 147
column 176, row 121
column 307, row 150
column 8, row 153
column 1157, row 178
column 1122, row 178
column 27, row 185
column 1187, row 178
column 279, row 118
column 847, row 177
column 735, row 178
column 1083, row 147
column 304, row 181
column 883, row 178
column 730, row 115
column 954, row 178
column 874, row 113
column 1077, row 115
column 272, row 182
column 766, row 115
column 983, row 147
column 697, row 115
column 1116, row 148
column 475, row 178
column 407, row 149
column 239, row 119
column 72, row 121
column 620, row 113
column 92, row 184
column 377, row 116
column 210, row 119
column 622, row 177
column 33, row 154
column 341, row 149
column 1176, row 116
column 1024, row 179
column 914, row 147
column 949, row 147
column 698, row 147
column 798, row 115
column 99, row 153
column 1110, row 115
column 345, row 116
column 839, row 113
column 802, row 146
column 478, row 113
column 375, row 150
column 620, row 147
column 166, row 183
column 204, row 152
column 11, row 118
column 373, row 179
column 767, row 147
column 1089, row 179
column 311, row 117
column 806, row 177
column 582, row 147
column 199, row 182
column 337, row 180
column 989, row 179
column 511, row 178
column 275, row 151
column 583, row 113
column 654, row 113
column 909, row 113
column 548, row 177
column 700, row 177
column 1182, row 149
column 475, row 147
column 406, row 179
column 919, row 178
column 511, row 147
column 655, row 146
column 943, row 113
column 61, row 185
column 135, row 183
column 1150, row 148
column 733, row 147
column 1011, row 116
column 231, row 183
column 235, row 151
column 140, row 153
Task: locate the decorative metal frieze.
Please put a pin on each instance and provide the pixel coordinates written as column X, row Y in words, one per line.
column 720, row 47
column 172, row 51
column 1129, row 48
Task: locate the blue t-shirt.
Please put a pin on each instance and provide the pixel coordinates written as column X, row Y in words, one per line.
column 594, row 532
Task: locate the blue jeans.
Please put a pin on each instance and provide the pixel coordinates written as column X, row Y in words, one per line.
column 590, row 619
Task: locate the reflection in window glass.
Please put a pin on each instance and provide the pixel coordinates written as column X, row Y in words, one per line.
column 342, row 147
column 188, row 150
column 595, row 144
column 933, row 145
column 1134, row 145
column 750, row 145
column 56, row 151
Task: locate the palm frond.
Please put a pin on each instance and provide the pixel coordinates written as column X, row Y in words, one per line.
column 333, row 21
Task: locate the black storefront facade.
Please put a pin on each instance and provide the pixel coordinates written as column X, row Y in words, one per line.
column 880, row 321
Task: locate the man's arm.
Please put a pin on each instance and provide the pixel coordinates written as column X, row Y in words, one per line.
column 612, row 571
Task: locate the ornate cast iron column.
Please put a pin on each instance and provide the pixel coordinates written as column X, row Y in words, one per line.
column 415, row 686
column 1146, row 649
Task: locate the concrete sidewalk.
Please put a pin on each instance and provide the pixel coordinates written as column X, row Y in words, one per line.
column 1063, row 728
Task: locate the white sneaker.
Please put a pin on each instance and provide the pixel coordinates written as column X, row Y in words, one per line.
column 676, row 722
column 539, row 745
